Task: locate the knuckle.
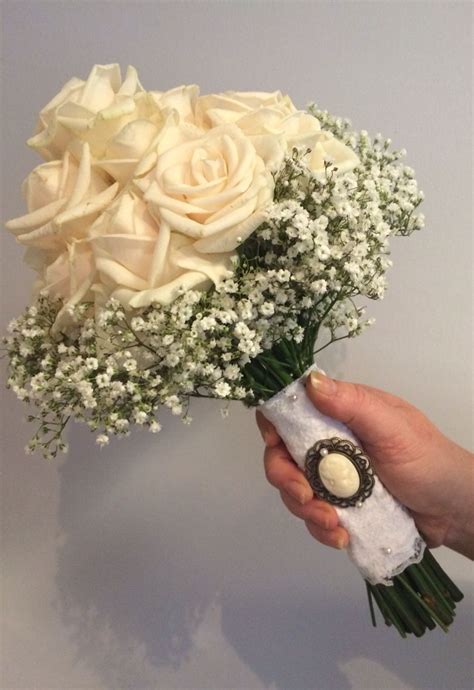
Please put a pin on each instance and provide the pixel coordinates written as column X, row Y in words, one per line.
column 271, row 475
column 291, row 504
column 312, row 529
column 352, row 398
column 358, row 396
column 265, row 427
column 272, row 471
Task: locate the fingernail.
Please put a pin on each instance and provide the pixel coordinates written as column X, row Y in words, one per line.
column 298, row 491
column 342, row 542
column 321, row 383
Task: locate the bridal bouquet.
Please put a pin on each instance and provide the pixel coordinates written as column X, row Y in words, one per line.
column 193, row 246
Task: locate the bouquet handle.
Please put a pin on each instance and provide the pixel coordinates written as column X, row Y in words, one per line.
column 385, row 545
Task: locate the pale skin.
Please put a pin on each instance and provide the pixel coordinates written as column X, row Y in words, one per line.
column 430, row 474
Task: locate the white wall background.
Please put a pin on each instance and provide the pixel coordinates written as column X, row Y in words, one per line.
column 169, row 562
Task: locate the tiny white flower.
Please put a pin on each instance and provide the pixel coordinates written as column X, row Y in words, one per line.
column 140, row 417
column 232, row 372
column 222, row 389
column 154, row 427
column 267, row 309
column 122, row 424
column 172, row 359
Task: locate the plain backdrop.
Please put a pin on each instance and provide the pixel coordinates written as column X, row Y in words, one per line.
column 169, row 562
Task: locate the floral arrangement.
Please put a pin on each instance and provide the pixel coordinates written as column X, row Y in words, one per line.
column 192, row 246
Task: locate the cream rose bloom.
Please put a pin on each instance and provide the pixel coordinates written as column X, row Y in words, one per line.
column 182, row 99
column 240, row 107
column 213, row 188
column 64, row 198
column 117, row 119
column 262, row 115
column 204, row 194
column 140, row 261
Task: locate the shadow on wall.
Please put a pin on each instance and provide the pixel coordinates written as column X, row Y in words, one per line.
column 151, row 543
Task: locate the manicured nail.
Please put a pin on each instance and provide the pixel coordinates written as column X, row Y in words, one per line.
column 298, row 491
column 321, row 383
column 342, row 542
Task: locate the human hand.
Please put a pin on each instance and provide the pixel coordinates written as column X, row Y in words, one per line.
column 430, row 474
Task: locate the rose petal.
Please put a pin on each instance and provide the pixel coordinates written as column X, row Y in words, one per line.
column 189, row 280
column 37, row 218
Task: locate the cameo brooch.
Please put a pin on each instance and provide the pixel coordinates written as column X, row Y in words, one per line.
column 339, row 472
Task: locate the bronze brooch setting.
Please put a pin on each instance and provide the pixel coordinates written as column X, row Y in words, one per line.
column 339, row 472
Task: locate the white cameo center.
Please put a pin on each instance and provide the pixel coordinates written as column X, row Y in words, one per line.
column 339, row 475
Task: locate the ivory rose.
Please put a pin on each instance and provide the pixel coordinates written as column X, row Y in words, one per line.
column 203, row 195
column 235, row 106
column 212, row 188
column 327, row 147
column 124, row 152
column 140, row 261
column 182, row 99
column 96, row 111
column 64, row 198
column 262, row 115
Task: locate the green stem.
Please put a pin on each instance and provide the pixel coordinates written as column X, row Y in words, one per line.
column 262, row 377
column 416, row 602
column 400, row 603
column 427, row 608
column 437, row 570
column 371, row 605
column 436, row 592
column 330, row 342
column 390, row 616
column 276, row 369
column 420, row 598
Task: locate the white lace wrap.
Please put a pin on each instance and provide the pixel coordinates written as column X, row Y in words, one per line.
column 383, row 536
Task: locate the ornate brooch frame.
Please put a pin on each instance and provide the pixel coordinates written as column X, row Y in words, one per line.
column 355, row 455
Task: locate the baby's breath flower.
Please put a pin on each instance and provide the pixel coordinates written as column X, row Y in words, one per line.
column 222, row 389
column 232, row 372
column 140, row 417
column 267, row 309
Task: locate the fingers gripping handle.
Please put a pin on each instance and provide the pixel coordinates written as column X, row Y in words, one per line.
column 383, row 536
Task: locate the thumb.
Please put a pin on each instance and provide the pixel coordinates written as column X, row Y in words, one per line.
column 375, row 417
